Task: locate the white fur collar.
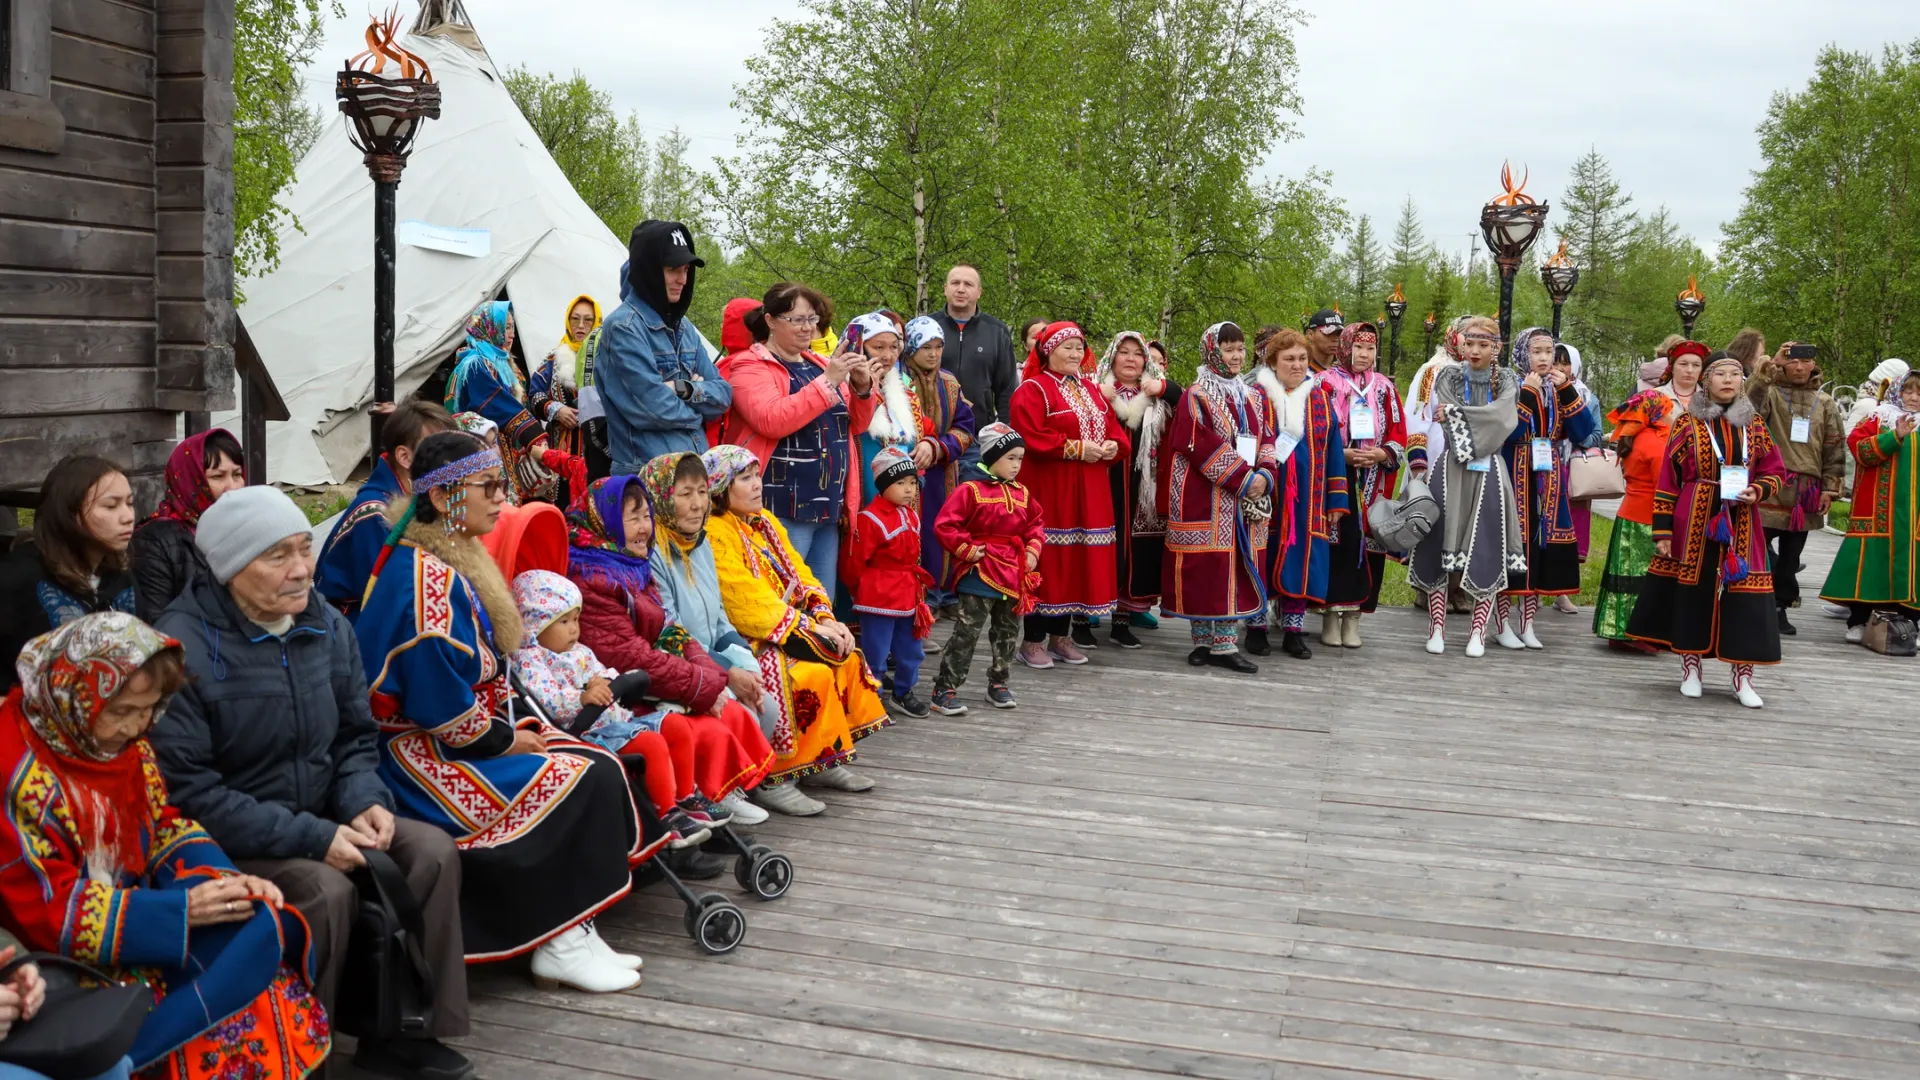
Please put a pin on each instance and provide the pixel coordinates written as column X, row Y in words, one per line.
column 1289, row 405
column 563, row 361
column 893, row 422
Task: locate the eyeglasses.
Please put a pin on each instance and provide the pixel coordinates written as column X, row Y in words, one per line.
column 799, row 320
column 490, row 488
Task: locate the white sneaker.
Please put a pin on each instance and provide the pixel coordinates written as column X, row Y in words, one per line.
column 1437, row 644
column 1477, row 648
column 1690, row 684
column 571, row 960
column 787, row 798
column 1507, row 638
column 1529, row 639
column 607, row 952
column 839, row 778
column 1747, row 694
column 1835, row 611
column 742, row 809
column 1856, row 634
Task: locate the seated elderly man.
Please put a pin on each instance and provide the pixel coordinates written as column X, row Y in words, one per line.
column 271, row 746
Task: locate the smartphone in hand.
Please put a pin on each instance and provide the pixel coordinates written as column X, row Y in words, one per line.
column 1802, row 351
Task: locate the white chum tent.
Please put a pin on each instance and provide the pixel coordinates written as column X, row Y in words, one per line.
column 478, row 167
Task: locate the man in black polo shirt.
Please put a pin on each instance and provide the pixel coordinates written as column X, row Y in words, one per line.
column 979, row 350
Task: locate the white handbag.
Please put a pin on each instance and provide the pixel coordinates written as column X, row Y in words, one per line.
column 1595, row 474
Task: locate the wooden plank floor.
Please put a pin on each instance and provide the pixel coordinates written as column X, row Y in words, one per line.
column 1375, row 863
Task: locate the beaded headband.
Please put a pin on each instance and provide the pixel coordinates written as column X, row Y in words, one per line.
column 1059, row 337
column 458, row 469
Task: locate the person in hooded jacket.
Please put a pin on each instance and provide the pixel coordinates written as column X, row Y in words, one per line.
column 657, row 382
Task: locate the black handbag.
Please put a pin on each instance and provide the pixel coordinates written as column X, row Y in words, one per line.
column 81, row 1031
column 386, row 987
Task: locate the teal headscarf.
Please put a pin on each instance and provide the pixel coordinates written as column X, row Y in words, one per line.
column 486, row 345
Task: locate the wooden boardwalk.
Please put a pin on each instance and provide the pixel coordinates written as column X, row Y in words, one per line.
column 1375, row 863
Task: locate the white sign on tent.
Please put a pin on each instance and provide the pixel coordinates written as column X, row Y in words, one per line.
column 473, row 243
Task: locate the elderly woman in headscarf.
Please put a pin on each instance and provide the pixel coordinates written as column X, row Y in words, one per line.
column 1478, row 535
column 485, row 380
column 1072, row 439
column 553, row 393
column 1373, row 426
column 1222, row 472
column 1143, row 399
column 96, row 866
column 820, row 697
column 1550, row 410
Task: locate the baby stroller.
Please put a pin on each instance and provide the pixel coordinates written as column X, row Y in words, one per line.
column 534, row 537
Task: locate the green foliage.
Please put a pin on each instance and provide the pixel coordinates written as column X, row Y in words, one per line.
column 272, row 125
column 603, row 156
column 1827, row 245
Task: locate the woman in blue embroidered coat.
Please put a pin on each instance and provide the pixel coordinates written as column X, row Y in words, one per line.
column 545, row 825
column 1313, row 491
column 96, row 866
column 485, row 381
column 1550, row 410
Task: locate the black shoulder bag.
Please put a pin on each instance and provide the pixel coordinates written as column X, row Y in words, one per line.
column 386, row 988
column 81, row 1031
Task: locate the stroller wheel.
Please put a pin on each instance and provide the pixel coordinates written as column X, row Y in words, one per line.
column 717, row 926
column 765, row 873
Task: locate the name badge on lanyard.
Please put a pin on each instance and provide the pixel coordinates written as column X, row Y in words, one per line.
column 1543, row 455
column 1247, row 447
column 1802, row 428
column 1360, row 422
column 1734, row 479
column 1283, row 445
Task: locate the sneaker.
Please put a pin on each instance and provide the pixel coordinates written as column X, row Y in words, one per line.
column 786, row 798
column 930, row 646
column 1144, row 620
column 411, row 1059
column 1786, row 627
column 1856, row 634
column 698, row 806
column 1062, row 649
column 947, row 703
column 1835, row 611
column 1565, row 605
column 1083, row 636
column 1122, row 636
column 911, row 705
column 743, row 811
column 1000, row 697
column 1034, row 655
column 687, row 830
column 839, row 778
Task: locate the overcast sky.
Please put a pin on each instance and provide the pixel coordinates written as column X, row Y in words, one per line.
column 1399, row 97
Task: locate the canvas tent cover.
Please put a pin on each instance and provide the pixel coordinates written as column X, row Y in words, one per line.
column 479, row 166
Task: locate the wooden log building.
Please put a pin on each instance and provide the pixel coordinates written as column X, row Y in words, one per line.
column 116, row 232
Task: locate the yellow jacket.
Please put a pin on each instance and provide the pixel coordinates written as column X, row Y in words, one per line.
column 768, row 591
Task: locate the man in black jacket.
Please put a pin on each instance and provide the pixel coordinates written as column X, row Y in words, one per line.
column 272, row 748
column 979, row 350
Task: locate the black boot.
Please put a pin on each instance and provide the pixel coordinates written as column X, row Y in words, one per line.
column 1232, row 661
column 1786, row 627
column 1294, row 644
column 1122, row 635
column 1257, row 642
column 1198, row 656
column 411, row 1059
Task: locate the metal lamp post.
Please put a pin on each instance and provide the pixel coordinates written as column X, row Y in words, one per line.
column 1429, row 324
column 385, row 112
column 1510, row 223
column 1690, row 304
column 1559, row 275
column 1396, row 307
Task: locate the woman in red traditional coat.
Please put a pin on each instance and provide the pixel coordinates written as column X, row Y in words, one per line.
column 1072, row 439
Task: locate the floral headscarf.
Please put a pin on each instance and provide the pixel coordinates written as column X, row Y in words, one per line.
column 543, row 597
column 599, row 552
column 725, row 462
column 1152, row 370
column 1452, row 340
column 1210, row 357
column 486, row 346
column 922, row 329
column 657, row 476
column 188, row 495
column 474, row 424
column 871, row 325
column 1522, row 345
column 67, row 677
column 1346, row 385
column 1343, row 349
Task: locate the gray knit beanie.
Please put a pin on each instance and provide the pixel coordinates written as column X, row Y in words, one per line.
column 242, row 524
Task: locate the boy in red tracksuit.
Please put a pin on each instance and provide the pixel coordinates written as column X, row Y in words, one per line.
column 890, row 589
column 991, row 525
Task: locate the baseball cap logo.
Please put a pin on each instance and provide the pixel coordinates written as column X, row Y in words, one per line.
column 679, row 238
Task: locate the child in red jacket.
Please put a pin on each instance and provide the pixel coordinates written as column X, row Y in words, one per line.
column 991, row 524
column 890, row 591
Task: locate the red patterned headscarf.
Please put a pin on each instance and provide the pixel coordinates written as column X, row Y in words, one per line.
column 188, row 495
column 1055, row 335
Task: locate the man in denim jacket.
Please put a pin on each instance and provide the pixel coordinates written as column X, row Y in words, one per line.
column 657, row 382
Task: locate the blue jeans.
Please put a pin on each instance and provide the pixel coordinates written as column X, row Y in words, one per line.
column 15, row 1072
column 882, row 636
column 818, row 543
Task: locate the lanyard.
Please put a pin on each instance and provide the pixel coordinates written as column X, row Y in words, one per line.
column 1719, row 453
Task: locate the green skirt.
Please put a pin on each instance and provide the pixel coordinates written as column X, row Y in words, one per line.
column 1628, row 556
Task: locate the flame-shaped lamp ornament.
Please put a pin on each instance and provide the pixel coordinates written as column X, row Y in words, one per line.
column 1690, row 304
column 1511, row 223
column 1559, row 275
column 1430, row 324
column 385, row 112
column 1396, row 307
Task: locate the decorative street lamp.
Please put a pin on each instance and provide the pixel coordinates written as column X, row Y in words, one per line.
column 386, row 112
column 1429, row 324
column 1511, row 223
column 1690, row 305
column 1559, row 275
column 1396, row 307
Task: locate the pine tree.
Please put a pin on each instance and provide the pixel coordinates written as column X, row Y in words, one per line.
column 1410, row 252
column 1598, row 222
column 1364, row 270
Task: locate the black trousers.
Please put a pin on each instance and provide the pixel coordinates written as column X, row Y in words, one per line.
column 1039, row 626
column 1786, row 547
column 326, row 899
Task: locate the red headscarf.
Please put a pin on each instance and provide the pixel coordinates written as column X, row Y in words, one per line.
column 1055, row 335
column 188, row 495
column 734, row 335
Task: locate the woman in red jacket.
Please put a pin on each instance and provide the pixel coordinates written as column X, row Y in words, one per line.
column 625, row 624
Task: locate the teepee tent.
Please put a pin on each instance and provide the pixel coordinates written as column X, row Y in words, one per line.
column 480, row 183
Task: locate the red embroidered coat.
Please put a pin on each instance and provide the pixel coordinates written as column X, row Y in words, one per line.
column 1212, row 567
column 1687, row 499
column 889, row 579
column 1061, row 417
column 991, row 526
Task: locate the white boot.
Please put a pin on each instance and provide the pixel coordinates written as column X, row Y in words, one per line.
column 1330, row 629
column 1507, row 638
column 571, row 960
column 1476, row 647
column 1437, row 644
column 1528, row 638
column 607, row 952
column 1350, row 630
column 1743, row 689
column 1690, row 683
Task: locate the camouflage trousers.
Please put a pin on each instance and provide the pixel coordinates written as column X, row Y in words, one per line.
column 1003, row 636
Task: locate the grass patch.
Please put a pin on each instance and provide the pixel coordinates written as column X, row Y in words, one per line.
column 319, row 508
column 1395, row 592
column 1838, row 515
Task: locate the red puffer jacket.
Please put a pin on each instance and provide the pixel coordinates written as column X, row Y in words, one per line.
column 624, row 631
